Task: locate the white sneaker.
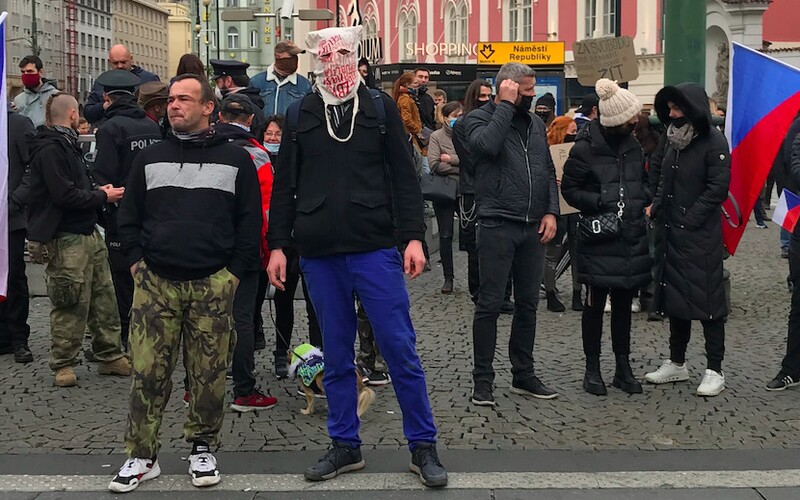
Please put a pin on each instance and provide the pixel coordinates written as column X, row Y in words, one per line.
column 133, row 472
column 668, row 372
column 607, row 308
column 713, row 383
column 636, row 305
column 203, row 469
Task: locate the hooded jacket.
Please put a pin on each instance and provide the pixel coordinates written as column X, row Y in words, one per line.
column 33, row 104
column 20, row 133
column 514, row 174
column 62, row 198
column 687, row 210
column 191, row 208
column 93, row 110
column 591, row 184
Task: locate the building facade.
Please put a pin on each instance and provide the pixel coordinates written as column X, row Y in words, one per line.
column 180, row 33
column 94, row 38
column 49, row 29
column 141, row 26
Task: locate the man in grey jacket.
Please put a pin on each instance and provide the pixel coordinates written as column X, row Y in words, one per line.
column 32, row 101
column 517, row 202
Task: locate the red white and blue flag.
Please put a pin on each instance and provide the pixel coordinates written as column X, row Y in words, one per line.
column 788, row 210
column 763, row 99
column 3, row 162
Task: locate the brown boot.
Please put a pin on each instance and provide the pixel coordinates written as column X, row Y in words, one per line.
column 65, row 377
column 121, row 367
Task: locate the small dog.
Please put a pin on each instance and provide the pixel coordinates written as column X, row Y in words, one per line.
column 308, row 364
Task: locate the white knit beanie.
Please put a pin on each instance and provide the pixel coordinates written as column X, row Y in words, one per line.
column 617, row 105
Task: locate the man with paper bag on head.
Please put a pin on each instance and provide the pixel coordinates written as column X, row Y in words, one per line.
column 346, row 195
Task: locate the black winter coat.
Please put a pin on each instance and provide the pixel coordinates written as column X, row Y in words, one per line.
column 687, row 210
column 591, row 184
column 467, row 167
column 514, row 174
column 335, row 197
column 20, row 132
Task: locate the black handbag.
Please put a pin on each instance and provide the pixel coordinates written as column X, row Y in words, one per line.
column 607, row 225
column 438, row 187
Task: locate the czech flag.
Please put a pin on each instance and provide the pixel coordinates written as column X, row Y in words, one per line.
column 788, row 210
column 763, row 99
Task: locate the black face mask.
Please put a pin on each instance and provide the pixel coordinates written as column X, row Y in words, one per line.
column 524, row 105
column 680, row 122
column 570, row 138
column 544, row 115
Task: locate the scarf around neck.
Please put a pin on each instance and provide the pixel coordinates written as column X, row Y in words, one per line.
column 194, row 137
column 71, row 133
column 680, row 137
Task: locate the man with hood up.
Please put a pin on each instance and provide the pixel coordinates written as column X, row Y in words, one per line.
column 345, row 192
column 695, row 174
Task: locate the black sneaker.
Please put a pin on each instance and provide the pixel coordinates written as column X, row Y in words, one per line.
column 364, row 372
column 482, row 394
column 340, row 458
column 281, row 364
column 533, row 387
column 782, row 382
column 23, row 355
column 425, row 462
column 378, row 379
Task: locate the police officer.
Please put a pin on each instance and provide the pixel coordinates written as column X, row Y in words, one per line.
column 125, row 131
column 231, row 77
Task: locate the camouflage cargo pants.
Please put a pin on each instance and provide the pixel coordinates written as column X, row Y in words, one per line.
column 166, row 314
column 82, row 295
column 369, row 354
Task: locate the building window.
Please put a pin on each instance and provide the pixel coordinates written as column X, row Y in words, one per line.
column 233, row 38
column 370, row 27
column 520, row 20
column 408, row 35
column 232, row 3
column 254, row 39
column 608, row 12
column 456, row 27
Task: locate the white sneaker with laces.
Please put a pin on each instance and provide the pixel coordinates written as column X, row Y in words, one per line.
column 203, row 469
column 713, row 383
column 668, row 372
column 133, row 472
column 636, row 305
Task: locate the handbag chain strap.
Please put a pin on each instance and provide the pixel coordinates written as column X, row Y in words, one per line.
column 621, row 202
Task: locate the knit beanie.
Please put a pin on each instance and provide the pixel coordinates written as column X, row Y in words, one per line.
column 547, row 100
column 617, row 105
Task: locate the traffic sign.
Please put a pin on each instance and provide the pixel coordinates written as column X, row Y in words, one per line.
column 530, row 53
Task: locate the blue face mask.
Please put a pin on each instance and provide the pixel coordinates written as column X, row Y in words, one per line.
column 452, row 122
column 272, row 148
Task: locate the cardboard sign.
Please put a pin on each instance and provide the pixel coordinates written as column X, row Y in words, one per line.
column 560, row 153
column 612, row 58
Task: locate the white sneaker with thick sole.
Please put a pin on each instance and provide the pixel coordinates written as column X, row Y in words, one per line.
column 203, row 469
column 133, row 472
column 713, row 383
column 668, row 372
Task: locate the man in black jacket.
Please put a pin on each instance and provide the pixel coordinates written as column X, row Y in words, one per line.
column 343, row 176
column 125, row 132
column 62, row 213
column 14, row 328
column 190, row 224
column 517, row 203
column 427, row 107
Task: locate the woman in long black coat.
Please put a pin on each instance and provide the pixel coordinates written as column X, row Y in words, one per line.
column 605, row 158
column 695, row 173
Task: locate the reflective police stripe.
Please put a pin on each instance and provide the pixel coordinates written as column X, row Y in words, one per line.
column 191, row 176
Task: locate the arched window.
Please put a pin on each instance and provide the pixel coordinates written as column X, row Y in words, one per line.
column 407, row 35
column 370, row 27
column 520, row 20
column 254, row 39
column 233, row 38
column 457, row 27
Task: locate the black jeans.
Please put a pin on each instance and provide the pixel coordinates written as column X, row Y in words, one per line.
column 505, row 246
column 14, row 328
column 714, row 331
column 284, row 314
column 123, row 289
column 791, row 362
column 445, row 212
column 244, row 383
column 592, row 320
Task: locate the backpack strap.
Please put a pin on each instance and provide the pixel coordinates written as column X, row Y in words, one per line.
column 292, row 117
column 380, row 109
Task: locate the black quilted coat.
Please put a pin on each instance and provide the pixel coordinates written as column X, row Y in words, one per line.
column 694, row 184
column 591, row 184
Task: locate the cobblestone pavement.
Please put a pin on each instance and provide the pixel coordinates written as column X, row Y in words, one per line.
column 36, row 417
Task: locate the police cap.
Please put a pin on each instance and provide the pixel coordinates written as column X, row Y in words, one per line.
column 118, row 81
column 228, row 68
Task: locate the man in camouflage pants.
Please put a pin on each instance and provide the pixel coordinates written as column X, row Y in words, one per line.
column 62, row 215
column 190, row 224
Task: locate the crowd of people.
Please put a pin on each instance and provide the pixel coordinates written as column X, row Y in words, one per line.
column 203, row 201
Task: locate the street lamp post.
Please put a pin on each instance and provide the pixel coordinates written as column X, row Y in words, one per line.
column 206, row 3
column 197, row 24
